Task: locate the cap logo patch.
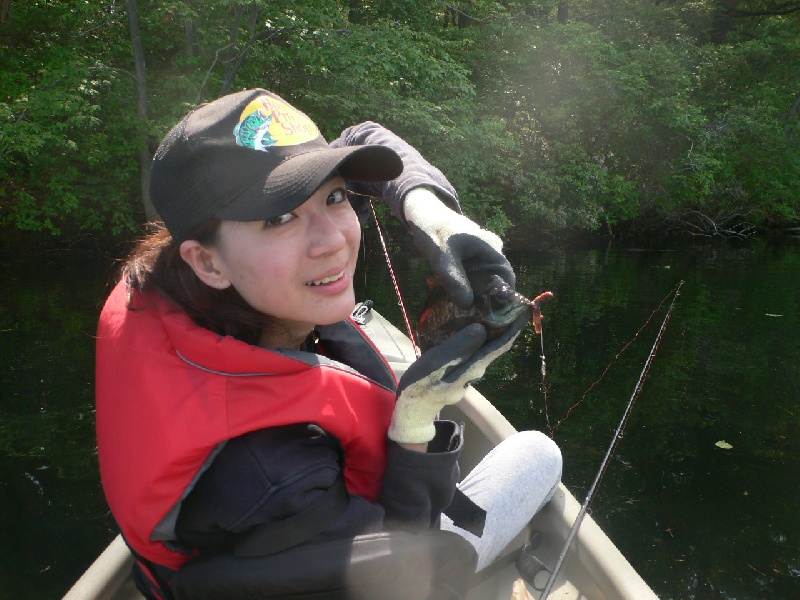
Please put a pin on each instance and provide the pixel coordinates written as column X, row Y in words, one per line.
column 267, row 122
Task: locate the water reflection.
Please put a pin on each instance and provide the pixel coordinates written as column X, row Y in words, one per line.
column 52, row 514
column 696, row 520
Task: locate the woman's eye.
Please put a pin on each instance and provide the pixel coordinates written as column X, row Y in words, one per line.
column 279, row 220
column 337, row 196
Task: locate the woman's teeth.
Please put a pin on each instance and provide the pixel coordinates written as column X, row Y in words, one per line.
column 330, row 279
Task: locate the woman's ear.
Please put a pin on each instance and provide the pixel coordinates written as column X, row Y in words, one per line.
column 204, row 263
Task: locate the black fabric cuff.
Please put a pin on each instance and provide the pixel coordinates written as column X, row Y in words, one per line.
column 417, row 486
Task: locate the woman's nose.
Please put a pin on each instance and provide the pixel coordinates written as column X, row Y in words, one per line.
column 327, row 234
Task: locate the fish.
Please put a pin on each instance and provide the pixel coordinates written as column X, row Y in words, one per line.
column 496, row 307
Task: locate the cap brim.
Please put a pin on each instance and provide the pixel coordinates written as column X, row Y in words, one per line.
column 296, row 179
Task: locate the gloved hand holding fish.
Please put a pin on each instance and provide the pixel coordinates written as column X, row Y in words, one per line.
column 472, row 316
column 496, row 307
column 440, row 376
column 457, row 248
column 458, row 346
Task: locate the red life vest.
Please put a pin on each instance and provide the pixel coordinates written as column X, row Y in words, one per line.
column 169, row 392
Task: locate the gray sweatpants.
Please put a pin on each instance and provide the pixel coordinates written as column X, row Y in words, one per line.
column 512, row 483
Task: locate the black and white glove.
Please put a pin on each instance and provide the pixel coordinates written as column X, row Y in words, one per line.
column 441, row 375
column 458, row 250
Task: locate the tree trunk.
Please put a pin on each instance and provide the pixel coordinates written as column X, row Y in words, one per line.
column 188, row 48
column 5, row 12
column 790, row 118
column 188, row 37
column 231, row 52
column 722, row 21
column 563, row 11
column 355, row 12
column 252, row 22
column 141, row 106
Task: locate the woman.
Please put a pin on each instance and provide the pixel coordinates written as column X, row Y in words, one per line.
column 245, row 424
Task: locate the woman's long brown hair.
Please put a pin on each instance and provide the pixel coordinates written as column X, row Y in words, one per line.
column 155, row 266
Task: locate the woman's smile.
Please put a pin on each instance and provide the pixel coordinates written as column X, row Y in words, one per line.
column 327, row 280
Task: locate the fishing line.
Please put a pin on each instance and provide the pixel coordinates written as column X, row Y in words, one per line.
column 614, row 441
column 364, row 255
column 552, row 430
column 400, row 302
column 544, row 383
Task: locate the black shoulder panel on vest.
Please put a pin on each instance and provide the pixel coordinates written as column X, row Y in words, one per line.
column 344, row 342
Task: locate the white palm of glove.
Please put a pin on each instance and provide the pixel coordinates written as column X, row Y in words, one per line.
column 455, row 246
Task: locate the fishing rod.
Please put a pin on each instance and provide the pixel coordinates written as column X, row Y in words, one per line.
column 615, row 440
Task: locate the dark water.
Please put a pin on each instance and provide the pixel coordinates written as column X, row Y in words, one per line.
column 53, row 517
column 696, row 520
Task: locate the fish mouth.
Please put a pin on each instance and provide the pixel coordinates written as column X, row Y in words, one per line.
column 500, row 304
column 502, row 316
column 326, row 280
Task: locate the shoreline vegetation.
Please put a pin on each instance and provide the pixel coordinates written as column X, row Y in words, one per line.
column 563, row 120
column 22, row 246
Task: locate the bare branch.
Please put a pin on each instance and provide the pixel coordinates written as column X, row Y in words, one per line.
column 725, row 224
column 264, row 36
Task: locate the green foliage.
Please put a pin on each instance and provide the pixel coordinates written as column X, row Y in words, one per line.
column 747, row 153
column 65, row 158
column 541, row 118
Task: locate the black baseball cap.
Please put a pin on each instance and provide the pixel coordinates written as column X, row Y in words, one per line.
column 251, row 156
